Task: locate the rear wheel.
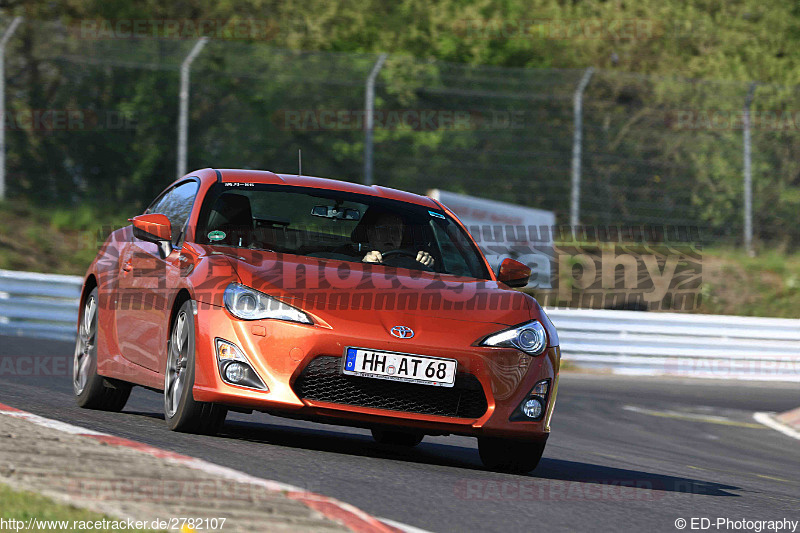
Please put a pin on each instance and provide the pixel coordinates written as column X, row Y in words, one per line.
column 181, row 411
column 508, row 455
column 397, row 438
column 93, row 391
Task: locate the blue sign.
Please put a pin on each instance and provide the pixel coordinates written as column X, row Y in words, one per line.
column 350, row 362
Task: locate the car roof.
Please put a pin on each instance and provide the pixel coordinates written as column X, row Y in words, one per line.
column 229, row 175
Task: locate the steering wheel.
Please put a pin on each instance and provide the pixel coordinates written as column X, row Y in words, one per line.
column 405, row 253
column 391, row 253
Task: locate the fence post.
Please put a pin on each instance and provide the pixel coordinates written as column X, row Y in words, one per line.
column 369, row 105
column 577, row 139
column 3, row 41
column 748, row 173
column 183, row 114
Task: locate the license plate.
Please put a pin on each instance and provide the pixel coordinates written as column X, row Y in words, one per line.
column 394, row 366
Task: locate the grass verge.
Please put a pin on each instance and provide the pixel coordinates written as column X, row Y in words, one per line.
column 50, row 515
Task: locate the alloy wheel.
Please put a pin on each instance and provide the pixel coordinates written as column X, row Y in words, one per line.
column 176, row 364
column 84, row 347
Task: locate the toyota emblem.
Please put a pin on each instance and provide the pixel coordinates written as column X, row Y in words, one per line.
column 402, row 332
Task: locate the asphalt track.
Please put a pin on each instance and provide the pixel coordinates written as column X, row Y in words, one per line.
column 626, row 453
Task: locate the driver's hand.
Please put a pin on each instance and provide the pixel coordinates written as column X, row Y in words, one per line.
column 425, row 258
column 373, row 257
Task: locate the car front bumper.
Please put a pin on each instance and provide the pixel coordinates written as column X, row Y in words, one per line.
column 280, row 352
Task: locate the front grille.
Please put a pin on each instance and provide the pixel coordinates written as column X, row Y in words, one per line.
column 323, row 381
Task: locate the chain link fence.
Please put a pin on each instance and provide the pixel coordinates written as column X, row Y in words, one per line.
column 94, row 117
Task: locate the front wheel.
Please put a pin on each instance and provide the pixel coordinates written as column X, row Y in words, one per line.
column 508, row 455
column 181, row 411
column 93, row 391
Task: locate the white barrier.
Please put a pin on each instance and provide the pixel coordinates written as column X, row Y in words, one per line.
column 709, row 346
column 39, row 305
column 631, row 342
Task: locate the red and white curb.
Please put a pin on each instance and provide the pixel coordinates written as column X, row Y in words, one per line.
column 769, row 420
column 343, row 513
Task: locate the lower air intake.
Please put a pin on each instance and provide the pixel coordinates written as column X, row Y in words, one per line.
column 323, row 381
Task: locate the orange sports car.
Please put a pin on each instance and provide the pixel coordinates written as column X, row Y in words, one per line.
column 242, row 290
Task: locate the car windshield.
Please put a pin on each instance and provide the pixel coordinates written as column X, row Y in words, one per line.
column 337, row 225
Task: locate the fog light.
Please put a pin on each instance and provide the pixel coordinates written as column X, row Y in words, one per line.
column 532, row 408
column 235, row 372
column 235, row 368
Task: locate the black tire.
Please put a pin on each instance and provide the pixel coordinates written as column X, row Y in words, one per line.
column 507, row 455
column 93, row 391
column 408, row 439
column 181, row 411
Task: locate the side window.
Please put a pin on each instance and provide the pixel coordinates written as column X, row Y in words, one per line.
column 154, row 207
column 176, row 204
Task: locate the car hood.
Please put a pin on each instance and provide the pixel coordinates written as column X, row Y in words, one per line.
column 330, row 288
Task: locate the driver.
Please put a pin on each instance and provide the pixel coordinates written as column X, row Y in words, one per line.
column 386, row 234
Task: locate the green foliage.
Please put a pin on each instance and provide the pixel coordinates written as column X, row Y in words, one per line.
column 61, row 240
column 736, row 284
column 640, row 166
column 716, row 39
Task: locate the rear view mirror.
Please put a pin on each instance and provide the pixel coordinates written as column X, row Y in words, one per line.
column 513, row 273
column 334, row 212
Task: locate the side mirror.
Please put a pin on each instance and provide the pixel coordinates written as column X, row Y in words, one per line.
column 153, row 228
column 513, row 273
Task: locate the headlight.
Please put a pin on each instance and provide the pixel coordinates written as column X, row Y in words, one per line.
column 529, row 337
column 249, row 304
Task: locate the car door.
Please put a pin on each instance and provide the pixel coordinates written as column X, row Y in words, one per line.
column 148, row 282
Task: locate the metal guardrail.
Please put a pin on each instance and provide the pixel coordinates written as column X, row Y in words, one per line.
column 39, row 305
column 626, row 342
column 705, row 346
